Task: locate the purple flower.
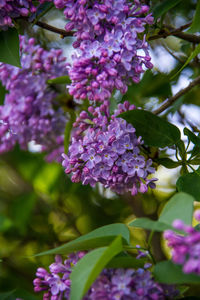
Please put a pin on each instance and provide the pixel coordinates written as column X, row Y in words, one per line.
column 107, row 42
column 185, row 248
column 30, row 111
column 10, row 10
column 102, row 170
column 91, row 158
column 106, row 150
column 111, row 284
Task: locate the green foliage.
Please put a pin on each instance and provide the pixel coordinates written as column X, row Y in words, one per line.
column 191, row 57
column 9, row 51
column 151, row 85
column 195, row 27
column 154, row 130
column 169, row 273
column 5, row 223
column 180, row 206
column 98, row 238
column 149, row 224
column 41, row 209
column 59, row 80
column 189, row 183
column 126, row 261
column 89, row 267
column 192, row 137
column 164, row 7
column 168, row 163
column 2, row 93
column 68, row 129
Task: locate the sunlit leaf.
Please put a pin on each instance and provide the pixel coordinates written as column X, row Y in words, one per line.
column 59, row 80
column 97, row 238
column 192, row 56
column 180, row 206
column 169, row 273
column 195, row 27
column 89, row 267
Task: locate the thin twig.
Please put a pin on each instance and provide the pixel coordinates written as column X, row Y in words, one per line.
column 168, row 102
column 178, row 32
column 172, row 54
column 51, row 28
column 188, row 37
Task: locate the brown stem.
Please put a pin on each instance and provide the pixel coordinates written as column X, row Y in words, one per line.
column 169, row 30
column 168, row 102
column 51, row 28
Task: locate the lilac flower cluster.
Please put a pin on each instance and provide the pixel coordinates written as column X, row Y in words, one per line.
column 112, row 284
column 105, row 149
column 11, row 9
column 57, row 282
column 109, row 50
column 185, row 248
column 30, row 111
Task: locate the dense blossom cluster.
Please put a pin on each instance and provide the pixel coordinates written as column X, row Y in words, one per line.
column 106, row 149
column 30, row 112
column 112, row 284
column 11, row 9
column 57, row 282
column 109, row 50
column 185, row 248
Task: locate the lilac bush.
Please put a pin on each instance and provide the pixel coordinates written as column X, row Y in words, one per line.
column 105, row 149
column 11, row 9
column 117, row 150
column 110, row 52
column 30, row 111
column 111, row 284
column 186, row 247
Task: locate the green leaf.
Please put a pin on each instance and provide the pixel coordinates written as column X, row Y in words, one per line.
column 149, row 224
column 151, row 85
column 169, row 273
column 180, row 206
column 195, row 27
column 168, row 163
column 89, row 267
column 68, row 129
column 59, row 80
column 126, row 262
column 154, row 130
column 2, row 93
column 195, row 161
column 163, row 7
column 9, row 50
column 192, row 137
column 97, row 238
column 114, row 101
column 182, row 151
column 189, row 183
column 192, row 55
